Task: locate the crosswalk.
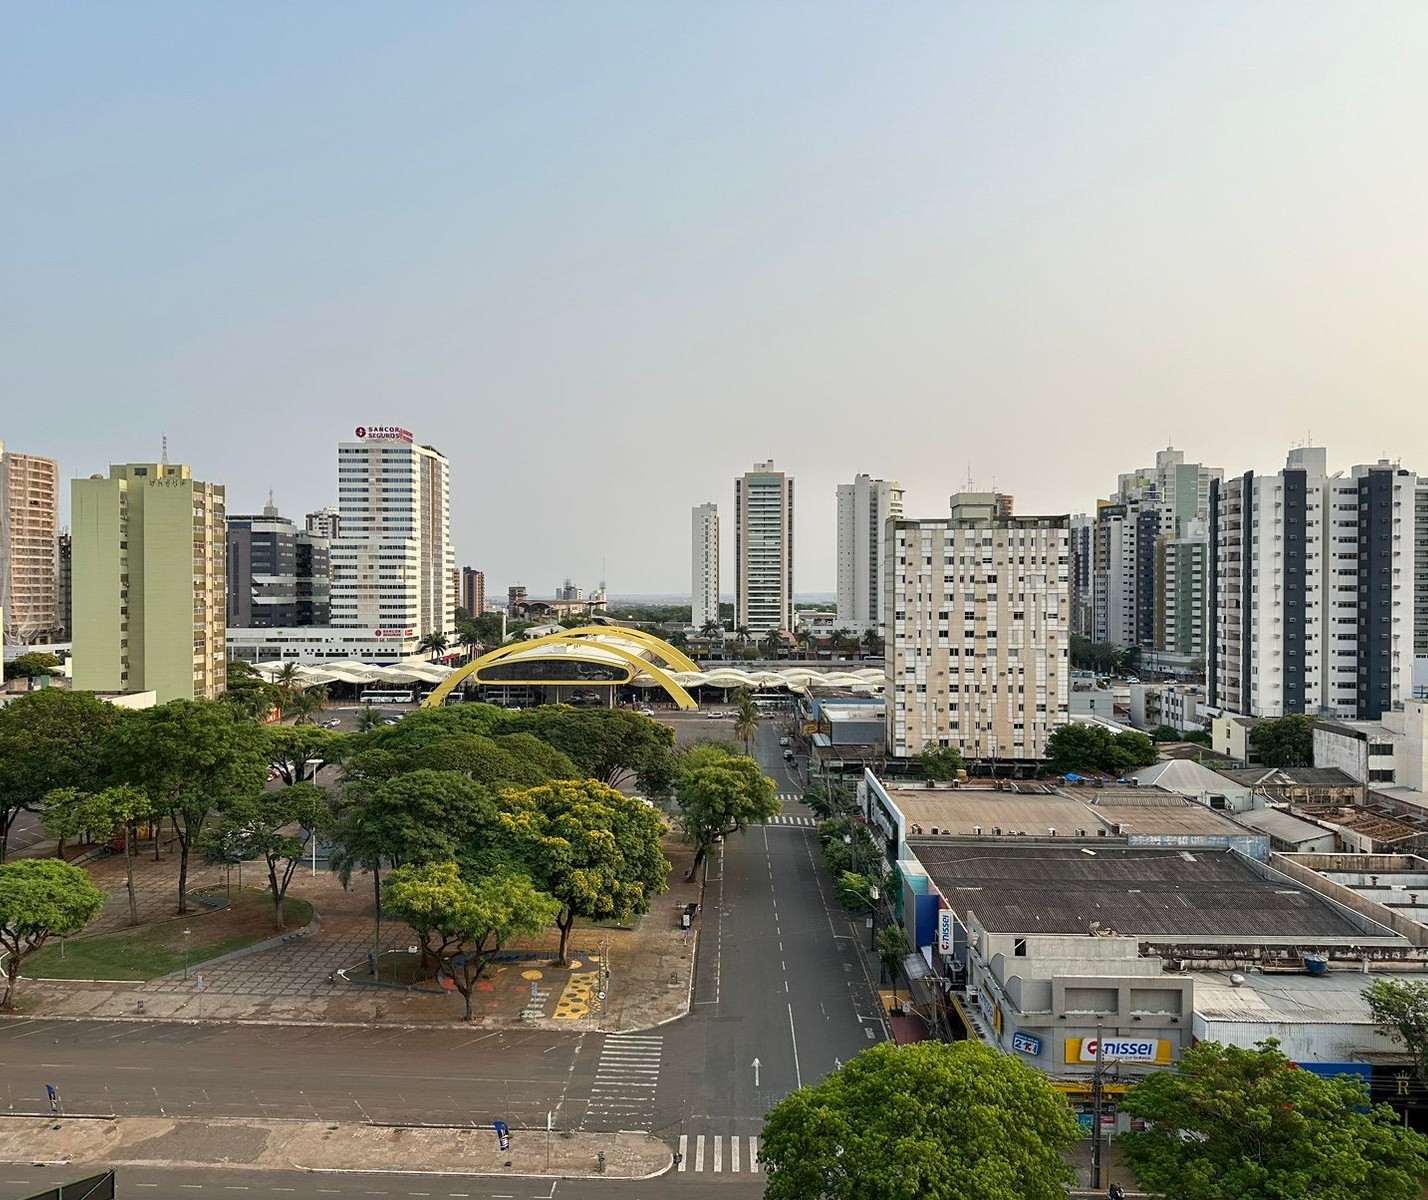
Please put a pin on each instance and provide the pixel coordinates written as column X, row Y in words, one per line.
column 785, row 819
column 623, row 1094
column 790, row 798
column 718, row 1153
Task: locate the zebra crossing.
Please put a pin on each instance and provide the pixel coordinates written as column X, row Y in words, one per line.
column 623, row 1094
column 785, row 819
column 719, row 1153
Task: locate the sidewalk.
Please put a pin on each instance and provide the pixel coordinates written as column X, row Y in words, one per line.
column 322, row 977
column 314, row 1146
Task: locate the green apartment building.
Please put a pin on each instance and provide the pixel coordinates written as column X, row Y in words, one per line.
column 148, row 561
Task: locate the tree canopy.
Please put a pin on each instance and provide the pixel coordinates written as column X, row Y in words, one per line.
column 929, row 1121
column 720, row 793
column 1075, row 748
column 1284, row 742
column 596, row 850
column 1236, row 1124
column 49, row 739
column 940, row 762
column 40, row 898
column 32, row 665
column 1401, row 1007
column 612, row 745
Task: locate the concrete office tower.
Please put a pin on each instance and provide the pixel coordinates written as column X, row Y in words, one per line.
column 278, row 575
column 975, row 616
column 325, row 522
column 864, row 507
column 1083, row 597
column 392, row 561
column 473, row 591
column 763, row 549
column 1151, row 504
column 704, row 565
column 29, row 541
column 1182, row 591
column 1312, row 590
column 149, row 564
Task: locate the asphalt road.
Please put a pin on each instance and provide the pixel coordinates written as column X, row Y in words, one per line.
column 782, row 977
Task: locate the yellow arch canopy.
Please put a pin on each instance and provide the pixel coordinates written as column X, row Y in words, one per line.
column 633, row 648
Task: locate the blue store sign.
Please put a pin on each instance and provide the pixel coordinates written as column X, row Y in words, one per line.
column 1026, row 1043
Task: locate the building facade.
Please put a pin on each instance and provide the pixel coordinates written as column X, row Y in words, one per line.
column 864, row 507
column 278, row 575
column 1312, row 590
column 392, row 560
column 326, row 522
column 473, row 591
column 65, row 588
column 1083, row 606
column 29, row 543
column 1182, row 591
column 149, row 569
column 704, row 565
column 975, row 620
column 763, row 549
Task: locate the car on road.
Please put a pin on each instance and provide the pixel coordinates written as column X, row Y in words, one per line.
column 783, row 741
column 646, row 711
column 715, row 716
column 332, row 724
column 788, row 755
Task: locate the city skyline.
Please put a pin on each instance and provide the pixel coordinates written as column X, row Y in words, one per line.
column 668, row 244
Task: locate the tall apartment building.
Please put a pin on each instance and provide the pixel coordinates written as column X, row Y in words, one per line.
column 279, row 576
column 1182, row 592
column 392, row 559
column 1168, row 502
column 864, row 507
column 704, row 565
column 29, row 541
column 325, row 522
column 975, row 616
column 473, row 591
column 1312, row 589
column 148, row 560
column 65, row 588
column 763, row 549
column 1083, row 596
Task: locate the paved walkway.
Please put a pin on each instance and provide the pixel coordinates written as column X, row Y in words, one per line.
column 322, row 976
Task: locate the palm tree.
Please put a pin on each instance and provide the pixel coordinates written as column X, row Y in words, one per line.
column 677, row 639
column 470, row 640
column 839, row 640
column 746, row 723
column 435, row 643
column 742, row 635
column 369, row 718
column 711, row 628
column 809, row 640
column 304, row 702
column 873, row 642
column 772, row 643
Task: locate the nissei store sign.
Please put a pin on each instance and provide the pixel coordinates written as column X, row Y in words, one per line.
column 1118, row 1050
column 944, row 931
column 1026, row 1043
column 383, row 433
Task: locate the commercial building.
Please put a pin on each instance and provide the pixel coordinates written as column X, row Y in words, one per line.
column 864, row 507
column 279, row 576
column 473, row 591
column 763, row 550
column 326, row 522
column 29, row 539
column 704, row 565
column 149, row 565
column 1083, row 593
column 975, row 613
column 1312, row 590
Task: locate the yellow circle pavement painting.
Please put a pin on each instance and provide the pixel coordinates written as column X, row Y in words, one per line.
column 532, row 975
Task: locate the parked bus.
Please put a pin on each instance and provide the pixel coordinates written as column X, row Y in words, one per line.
column 388, row 696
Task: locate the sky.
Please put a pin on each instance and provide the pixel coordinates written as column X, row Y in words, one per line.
column 607, row 256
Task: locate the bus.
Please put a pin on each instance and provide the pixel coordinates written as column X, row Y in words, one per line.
column 388, row 696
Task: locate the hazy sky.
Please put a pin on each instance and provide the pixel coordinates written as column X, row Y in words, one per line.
column 607, row 255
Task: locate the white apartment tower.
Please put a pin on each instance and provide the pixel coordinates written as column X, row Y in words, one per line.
column 864, row 507
column 704, row 565
column 393, row 561
column 763, row 549
column 976, row 612
column 1312, row 590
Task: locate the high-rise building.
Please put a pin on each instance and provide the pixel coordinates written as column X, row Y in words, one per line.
column 1182, row 590
column 1083, row 605
column 864, row 507
column 65, row 588
column 1312, row 590
column 148, row 560
column 704, row 565
column 763, row 549
column 278, row 575
column 29, row 541
column 325, row 522
column 1169, row 501
column 473, row 591
column 1420, row 573
column 392, row 560
column 975, row 612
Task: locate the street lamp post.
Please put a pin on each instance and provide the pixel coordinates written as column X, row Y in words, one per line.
column 187, row 933
column 874, row 895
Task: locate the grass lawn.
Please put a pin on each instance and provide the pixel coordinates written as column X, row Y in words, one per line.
column 148, row 951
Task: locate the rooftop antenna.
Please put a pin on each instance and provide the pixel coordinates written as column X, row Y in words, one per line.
column 164, row 451
column 971, row 486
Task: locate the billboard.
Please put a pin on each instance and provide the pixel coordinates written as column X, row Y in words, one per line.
column 944, row 931
column 1125, row 1050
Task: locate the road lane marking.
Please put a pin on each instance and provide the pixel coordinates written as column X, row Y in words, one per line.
column 734, row 1153
column 699, row 1152
column 754, row 1163
column 792, row 1033
column 683, row 1150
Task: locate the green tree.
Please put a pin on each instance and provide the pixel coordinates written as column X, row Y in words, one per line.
column 893, row 948
column 370, row 718
column 772, row 644
column 32, row 665
column 49, row 739
column 304, row 703
column 596, row 850
column 463, row 925
column 1166, row 733
column 1401, row 1007
column 40, row 898
column 69, row 812
column 721, row 794
column 1237, row 1124
column 1285, row 742
column 249, row 693
column 872, row 642
column 189, row 756
column 1075, row 748
column 613, row 746
column 434, row 644
column 743, row 635
column 930, row 1121
column 422, row 817
column 746, row 718
column 711, row 628
column 299, row 752
column 262, row 826
column 940, row 762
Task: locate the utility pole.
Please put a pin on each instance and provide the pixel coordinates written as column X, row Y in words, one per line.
column 1096, row 1096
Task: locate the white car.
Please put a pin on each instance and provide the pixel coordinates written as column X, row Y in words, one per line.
column 783, row 741
column 646, row 712
column 715, row 716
